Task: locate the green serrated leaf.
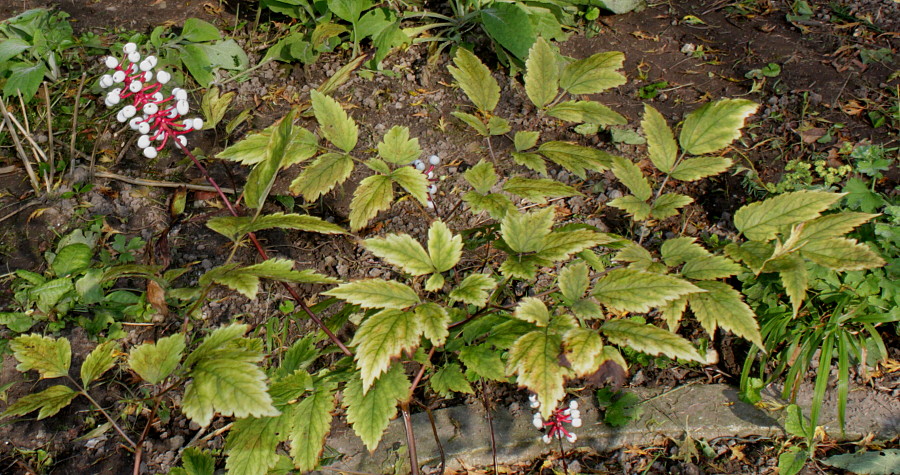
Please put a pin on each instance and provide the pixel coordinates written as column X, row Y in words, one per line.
column 483, row 361
column 334, row 122
column 525, row 232
column 672, row 312
column 310, row 423
column 413, row 181
column 668, row 205
column 586, row 111
column 374, row 193
column 841, row 254
column 376, row 293
column 714, row 125
column 381, row 337
column 576, row 158
column 497, row 205
column 214, row 105
column 473, row 122
column 325, row 172
column 532, row 161
column 632, row 177
column 498, row 125
column 234, row 227
column 678, row 250
column 369, row 412
column 473, row 290
column 402, row 251
column 533, row 310
column 287, row 389
column 449, row 379
column 50, row 357
column 251, row 445
column 262, row 177
column 534, row 358
column 539, row 189
column 251, row 149
column 833, row 225
column 522, row 266
column 197, row 462
column 509, row 25
column 636, row 207
column 638, row 291
column 795, row 280
column 559, row 245
column 525, row 139
column 593, row 74
column 49, row 401
column 650, row 339
column 444, row 247
column 396, row 147
column 434, row 320
column 661, row 144
column 710, row 268
column 574, row 280
column 722, row 306
column 246, row 279
column 154, row 362
column 692, row 169
column 227, row 386
column 762, row 220
column 482, row 176
column 99, row 361
column 752, row 253
column 475, row 80
column 582, row 346
column 434, row 283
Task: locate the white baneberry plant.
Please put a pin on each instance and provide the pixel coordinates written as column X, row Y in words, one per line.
column 158, row 117
column 555, row 425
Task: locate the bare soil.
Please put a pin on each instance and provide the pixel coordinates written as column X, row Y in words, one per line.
column 822, row 79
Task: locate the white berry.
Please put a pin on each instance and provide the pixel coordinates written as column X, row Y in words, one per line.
column 434, row 160
column 143, row 141
column 163, row 77
column 198, row 123
column 118, row 76
column 150, row 152
column 134, row 56
column 111, row 62
column 129, row 48
column 135, row 86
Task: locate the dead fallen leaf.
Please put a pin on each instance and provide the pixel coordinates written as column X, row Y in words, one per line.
column 156, row 296
column 811, row 135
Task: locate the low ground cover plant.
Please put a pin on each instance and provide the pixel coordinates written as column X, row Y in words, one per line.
column 449, row 317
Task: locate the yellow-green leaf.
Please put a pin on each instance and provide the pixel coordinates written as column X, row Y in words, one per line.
column 251, row 445
column 841, row 254
column 668, row 205
column 533, row 310
column 473, row 290
column 376, row 293
column 227, row 385
column 532, row 161
column 444, row 247
column 710, row 268
column 473, row 122
column 542, row 73
column 310, row 423
column 262, row 177
column 402, row 251
column 99, row 361
column 681, row 249
column 50, row 357
column 373, row 194
column 762, row 220
column 636, row 207
column 497, row 205
column 369, row 412
column 650, row 339
column 396, row 147
column 234, row 227
column 334, row 122
column 525, row 232
column 49, row 401
column 323, row 174
column 722, row 306
column 574, row 280
column 537, row 190
column 482, row 176
column 692, row 169
column 154, row 362
column 632, row 177
column 475, row 80
column 576, row 158
column 591, row 112
column 582, row 345
column 833, row 225
column 381, row 337
column 661, row 144
column 434, row 320
column 534, row 358
column 525, row 139
column 638, row 291
column 715, row 125
column 559, row 245
column 449, row 379
column 413, row 181
column 483, row 361
column 593, row 74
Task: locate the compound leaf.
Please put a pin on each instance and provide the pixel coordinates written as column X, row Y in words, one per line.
column 49, row 401
column 762, row 220
column 154, row 362
column 475, row 80
column 334, row 122
column 50, row 357
column 650, row 339
column 638, row 291
column 396, row 147
column 534, row 358
column 230, row 386
column 661, row 144
column 721, row 306
column 382, row 337
column 376, row 293
column 325, row 172
column 714, row 125
column 473, row 290
column 369, row 412
column 402, row 251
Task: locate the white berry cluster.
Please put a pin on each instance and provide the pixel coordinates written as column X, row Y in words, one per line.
column 427, row 168
column 555, row 423
column 157, row 117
